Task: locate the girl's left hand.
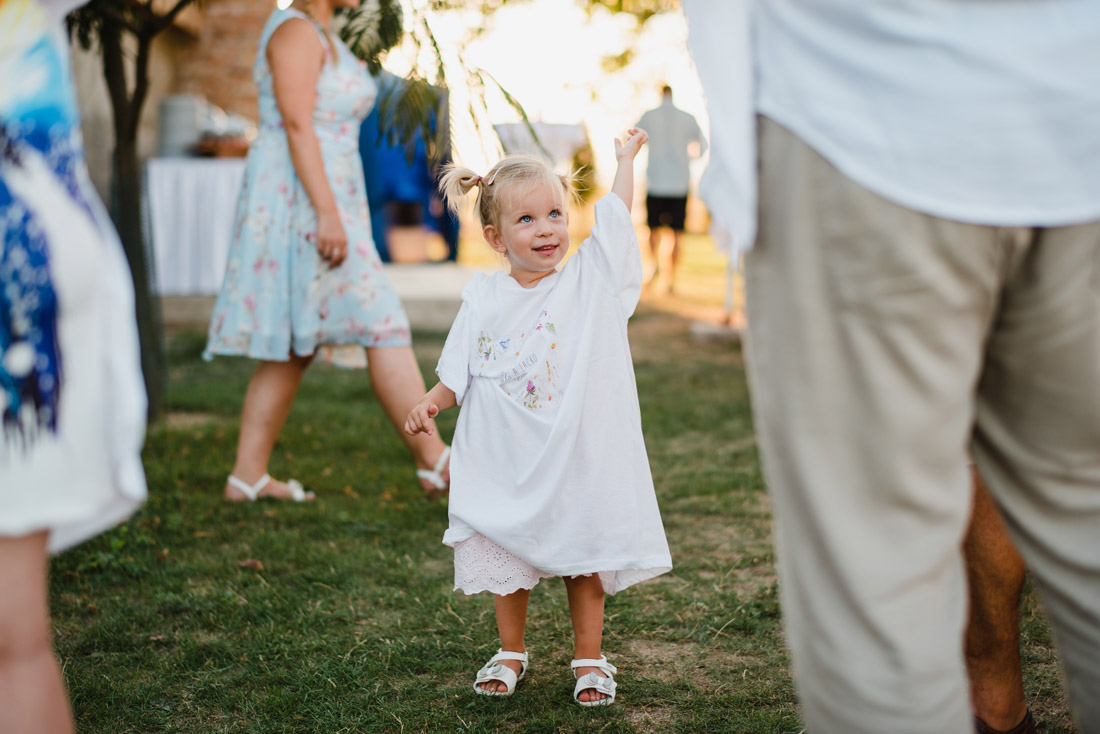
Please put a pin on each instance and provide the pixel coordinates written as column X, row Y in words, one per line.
column 636, row 137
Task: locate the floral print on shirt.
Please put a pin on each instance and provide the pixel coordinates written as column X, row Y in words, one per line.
column 532, row 377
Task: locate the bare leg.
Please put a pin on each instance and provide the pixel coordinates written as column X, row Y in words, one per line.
column 586, row 609
column 655, row 251
column 398, row 385
column 674, row 259
column 996, row 578
column 267, row 404
column 32, row 693
column 511, row 624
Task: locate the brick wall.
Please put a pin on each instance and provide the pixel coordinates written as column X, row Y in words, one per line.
column 97, row 119
column 220, row 69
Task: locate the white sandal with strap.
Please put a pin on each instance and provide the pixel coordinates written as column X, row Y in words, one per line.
column 252, row 491
column 591, row 681
column 435, row 475
column 493, row 670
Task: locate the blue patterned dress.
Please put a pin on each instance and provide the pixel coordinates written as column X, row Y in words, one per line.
column 279, row 295
column 72, row 401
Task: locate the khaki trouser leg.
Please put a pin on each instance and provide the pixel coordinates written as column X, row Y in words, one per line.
column 1037, row 439
column 866, row 330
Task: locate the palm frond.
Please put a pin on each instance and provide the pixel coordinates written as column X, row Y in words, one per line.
column 515, row 105
column 371, row 29
column 410, row 111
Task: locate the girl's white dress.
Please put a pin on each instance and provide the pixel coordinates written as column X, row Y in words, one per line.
column 549, row 469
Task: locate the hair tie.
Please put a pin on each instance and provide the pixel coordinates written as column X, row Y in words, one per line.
column 478, row 182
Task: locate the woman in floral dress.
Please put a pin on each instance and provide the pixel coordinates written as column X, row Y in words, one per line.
column 303, row 277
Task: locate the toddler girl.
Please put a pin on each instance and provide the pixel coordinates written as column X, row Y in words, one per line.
column 549, row 473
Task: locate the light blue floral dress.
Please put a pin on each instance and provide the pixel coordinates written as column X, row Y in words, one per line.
column 279, row 296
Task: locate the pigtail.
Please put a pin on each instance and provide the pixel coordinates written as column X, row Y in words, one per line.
column 522, row 170
column 572, row 190
column 455, row 183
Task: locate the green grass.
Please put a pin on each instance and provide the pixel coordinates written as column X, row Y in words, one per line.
column 349, row 624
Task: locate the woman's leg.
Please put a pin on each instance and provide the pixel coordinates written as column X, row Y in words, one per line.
column 266, row 406
column 398, row 385
column 586, row 609
column 32, row 693
column 511, row 624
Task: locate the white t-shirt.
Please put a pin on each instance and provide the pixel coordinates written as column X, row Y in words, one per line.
column 974, row 110
column 548, row 457
column 983, row 111
column 671, row 131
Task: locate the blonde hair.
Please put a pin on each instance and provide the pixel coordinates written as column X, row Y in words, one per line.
column 522, row 172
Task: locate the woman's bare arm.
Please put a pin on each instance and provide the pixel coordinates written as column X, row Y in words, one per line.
column 296, row 56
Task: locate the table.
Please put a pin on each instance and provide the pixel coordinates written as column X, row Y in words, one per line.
column 190, row 204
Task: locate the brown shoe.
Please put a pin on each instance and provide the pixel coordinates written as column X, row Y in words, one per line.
column 1027, row 726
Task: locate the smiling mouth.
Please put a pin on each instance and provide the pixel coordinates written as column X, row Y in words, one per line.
column 546, row 248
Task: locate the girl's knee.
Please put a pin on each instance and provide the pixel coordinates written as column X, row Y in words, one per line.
column 589, row 582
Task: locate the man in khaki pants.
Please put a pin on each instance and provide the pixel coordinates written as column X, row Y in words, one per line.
column 925, row 280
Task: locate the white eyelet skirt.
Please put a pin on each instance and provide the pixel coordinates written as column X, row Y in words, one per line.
column 482, row 565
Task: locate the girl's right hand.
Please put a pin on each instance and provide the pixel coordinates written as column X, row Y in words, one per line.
column 332, row 239
column 420, row 417
column 632, row 142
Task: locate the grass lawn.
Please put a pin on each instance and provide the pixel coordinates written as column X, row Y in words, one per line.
column 338, row 616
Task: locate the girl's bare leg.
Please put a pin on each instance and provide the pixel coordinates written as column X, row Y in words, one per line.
column 267, row 404
column 398, row 385
column 32, row 693
column 511, row 624
column 586, row 609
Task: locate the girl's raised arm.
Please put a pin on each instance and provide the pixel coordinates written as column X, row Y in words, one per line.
column 625, row 151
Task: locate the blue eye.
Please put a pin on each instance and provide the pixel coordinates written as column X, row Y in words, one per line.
column 525, row 218
column 555, row 213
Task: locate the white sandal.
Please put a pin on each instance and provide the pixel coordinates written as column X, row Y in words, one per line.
column 435, row 475
column 493, row 670
column 252, row 491
column 591, row 681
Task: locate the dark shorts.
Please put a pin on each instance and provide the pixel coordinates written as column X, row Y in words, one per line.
column 666, row 211
column 404, row 213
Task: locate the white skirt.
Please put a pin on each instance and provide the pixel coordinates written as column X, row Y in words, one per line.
column 482, row 565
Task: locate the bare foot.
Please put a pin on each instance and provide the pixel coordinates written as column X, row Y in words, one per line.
column 498, row 685
column 274, row 489
column 590, row 694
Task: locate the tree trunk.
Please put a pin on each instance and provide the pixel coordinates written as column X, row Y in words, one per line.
column 126, row 212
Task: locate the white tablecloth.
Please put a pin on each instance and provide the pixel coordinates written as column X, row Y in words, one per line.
column 191, row 203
